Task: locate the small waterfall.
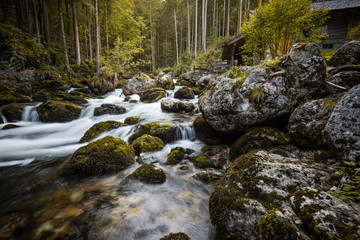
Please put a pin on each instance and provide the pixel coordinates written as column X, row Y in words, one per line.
column 29, row 114
column 185, row 133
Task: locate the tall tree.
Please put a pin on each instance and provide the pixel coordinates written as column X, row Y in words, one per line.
column 37, row 25
column 45, row 14
column 228, row 20
column 89, row 34
column 240, row 15
column 76, row 33
column 29, row 19
column 196, row 25
column 97, row 27
column 63, row 37
column 176, row 38
column 188, row 27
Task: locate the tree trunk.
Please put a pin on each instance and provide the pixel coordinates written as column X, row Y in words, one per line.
column 98, row 46
column 18, row 13
column 176, row 39
column 214, row 19
column 240, row 16
column 37, row 26
column 228, row 20
column 76, row 33
column 152, row 43
column 29, row 19
column 63, row 37
column 204, row 27
column 106, row 28
column 4, row 9
column 46, row 22
column 188, row 28
column 224, row 18
column 89, row 34
column 196, row 25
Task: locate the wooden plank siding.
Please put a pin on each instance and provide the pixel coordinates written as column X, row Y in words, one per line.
column 336, row 28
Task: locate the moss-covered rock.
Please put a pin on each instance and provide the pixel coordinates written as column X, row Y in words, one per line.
column 56, row 111
column 10, row 126
column 106, row 155
column 147, row 143
column 205, row 132
column 165, row 82
column 149, row 174
column 175, row 156
column 176, row 236
column 200, row 161
column 99, row 128
column 203, row 177
column 104, row 81
column 132, row 120
column 111, row 109
column 12, row 112
column 177, row 106
column 184, row 93
column 166, row 132
column 258, row 138
column 275, row 226
column 152, row 95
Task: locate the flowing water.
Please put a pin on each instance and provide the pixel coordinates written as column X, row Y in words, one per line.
column 107, row 207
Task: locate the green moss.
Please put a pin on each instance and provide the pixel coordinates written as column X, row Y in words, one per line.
column 175, row 156
column 200, row 161
column 184, row 93
column 203, row 177
column 256, row 95
column 147, row 143
column 12, row 112
column 350, row 190
column 166, row 132
column 132, row 120
column 184, row 168
column 149, row 174
column 152, row 95
column 99, row 128
column 176, row 236
column 275, row 227
column 205, row 132
column 56, row 111
column 10, row 126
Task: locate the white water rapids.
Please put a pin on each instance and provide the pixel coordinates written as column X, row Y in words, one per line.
column 31, row 155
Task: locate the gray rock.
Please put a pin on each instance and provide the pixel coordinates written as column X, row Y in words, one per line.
column 177, row 106
column 347, row 79
column 139, row 83
column 343, row 128
column 347, row 54
column 204, row 80
column 165, row 81
column 184, row 93
column 111, row 109
column 267, row 95
column 307, row 122
column 12, row 112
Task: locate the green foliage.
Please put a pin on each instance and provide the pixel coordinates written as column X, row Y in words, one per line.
column 350, row 191
column 213, row 52
column 184, row 65
column 355, row 33
column 279, row 24
column 256, row 95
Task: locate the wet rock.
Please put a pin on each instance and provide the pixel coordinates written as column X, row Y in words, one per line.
column 139, row 83
column 104, row 81
column 175, row 156
column 132, row 120
column 200, row 161
column 152, row 95
column 64, row 96
column 10, row 126
column 133, row 101
column 307, row 122
column 342, row 130
column 205, row 132
column 177, row 106
column 147, row 143
column 106, row 155
column 260, row 181
column 217, row 156
column 111, row 109
column 202, row 176
column 165, row 132
column 149, row 174
column 13, row 225
column 99, row 128
column 326, row 216
column 165, row 82
column 12, row 112
column 184, row 93
column 176, row 236
column 57, row 111
column 204, row 80
column 347, row 54
column 265, row 95
column 258, row 138
column 347, row 79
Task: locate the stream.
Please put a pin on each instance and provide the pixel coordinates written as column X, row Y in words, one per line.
column 106, row 207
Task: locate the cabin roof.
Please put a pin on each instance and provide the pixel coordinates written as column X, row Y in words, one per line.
column 233, row 40
column 337, row 4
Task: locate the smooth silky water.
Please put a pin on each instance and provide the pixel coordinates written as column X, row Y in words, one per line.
column 107, row 207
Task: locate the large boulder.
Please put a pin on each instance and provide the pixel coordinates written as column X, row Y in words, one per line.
column 175, row 156
column 57, row 111
column 347, row 54
column 111, row 109
column 165, row 82
column 258, row 138
column 165, row 132
column 104, row 81
column 176, row 236
column 99, row 128
column 152, row 95
column 147, row 143
column 184, row 93
column 307, row 122
column 106, row 155
column 177, row 106
column 204, row 81
column 149, row 174
column 205, row 132
column 139, row 83
column 342, row 130
column 12, row 112
column 132, row 120
column 347, row 79
column 266, row 95
column 258, row 182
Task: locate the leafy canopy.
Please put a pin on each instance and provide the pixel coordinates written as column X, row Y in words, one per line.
column 279, row 24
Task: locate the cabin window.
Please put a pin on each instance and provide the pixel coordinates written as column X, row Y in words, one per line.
column 328, row 46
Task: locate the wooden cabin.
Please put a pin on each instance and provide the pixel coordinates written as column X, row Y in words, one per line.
column 232, row 52
column 344, row 15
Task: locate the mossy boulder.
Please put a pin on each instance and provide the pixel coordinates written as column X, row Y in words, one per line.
column 149, row 174
column 12, row 112
column 200, row 161
column 104, row 81
column 106, row 155
column 184, row 93
column 147, row 143
column 110, row 109
column 202, row 177
column 99, row 128
column 274, row 225
column 175, row 156
column 176, row 236
column 10, row 126
column 57, row 111
column 132, row 120
column 165, row 132
column 152, row 95
column 258, row 138
column 139, row 83
column 205, row 132
column 165, row 82
column 177, row 106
